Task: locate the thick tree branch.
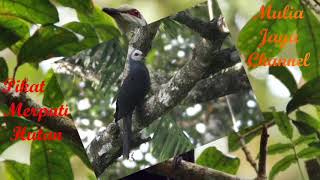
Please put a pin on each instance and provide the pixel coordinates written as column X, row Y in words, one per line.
column 106, row 147
column 56, row 124
column 231, row 81
column 214, row 30
column 188, row 170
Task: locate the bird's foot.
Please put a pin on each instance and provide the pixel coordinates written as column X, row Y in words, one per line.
column 177, row 161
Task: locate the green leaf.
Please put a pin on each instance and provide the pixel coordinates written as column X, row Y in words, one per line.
column 250, row 37
column 36, row 11
column 12, row 30
column 90, row 38
column 233, row 138
column 52, row 158
column 306, row 118
column 278, row 148
column 215, row 159
column 305, row 140
column 7, row 38
column 169, row 135
column 283, row 123
column 282, row 165
column 309, row 42
column 6, row 130
column 303, row 128
column 4, row 70
column 74, row 149
column 315, row 145
column 285, row 76
column 47, row 41
column 83, row 6
column 103, row 24
column 309, row 153
column 53, row 96
column 234, row 141
column 16, row 170
column 309, row 93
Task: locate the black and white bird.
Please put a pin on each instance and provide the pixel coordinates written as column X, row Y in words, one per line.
column 131, row 94
column 127, row 18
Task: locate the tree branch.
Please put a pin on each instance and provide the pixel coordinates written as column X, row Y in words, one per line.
column 106, row 147
column 188, row 170
column 214, row 30
column 228, row 82
column 247, row 153
column 263, row 154
column 56, row 124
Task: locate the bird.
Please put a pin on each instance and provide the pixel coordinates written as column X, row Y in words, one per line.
column 127, row 18
column 131, row 94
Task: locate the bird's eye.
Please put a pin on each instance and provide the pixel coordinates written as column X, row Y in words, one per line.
column 135, row 13
column 136, row 54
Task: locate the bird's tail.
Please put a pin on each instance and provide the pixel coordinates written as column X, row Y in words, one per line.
column 127, row 123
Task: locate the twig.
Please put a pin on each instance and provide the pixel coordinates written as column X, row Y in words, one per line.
column 263, row 154
column 247, row 153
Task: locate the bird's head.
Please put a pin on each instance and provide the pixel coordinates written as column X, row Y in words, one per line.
column 127, row 14
column 136, row 55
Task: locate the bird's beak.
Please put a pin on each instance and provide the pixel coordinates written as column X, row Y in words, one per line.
column 111, row 11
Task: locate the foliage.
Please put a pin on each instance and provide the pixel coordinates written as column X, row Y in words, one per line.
column 18, row 20
column 53, row 96
column 51, row 155
column 4, row 70
column 169, row 135
column 305, row 122
column 213, row 158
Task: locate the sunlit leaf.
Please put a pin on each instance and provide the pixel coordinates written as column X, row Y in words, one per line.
column 250, row 37
column 309, row 42
column 283, row 122
column 53, row 160
column 309, row 93
column 215, row 159
column 12, row 30
column 305, row 140
column 16, row 170
column 47, row 41
column 36, row 11
column 6, row 130
column 309, row 153
column 83, row 6
column 281, row 165
column 88, row 37
column 103, row 24
column 278, row 148
column 52, row 97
